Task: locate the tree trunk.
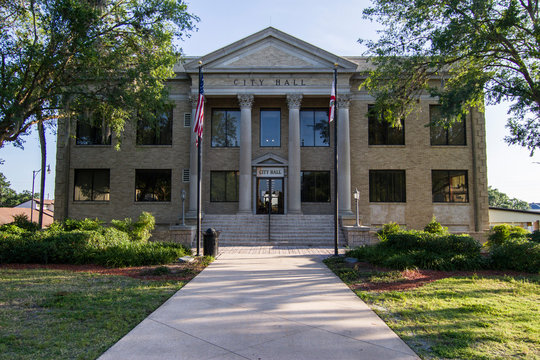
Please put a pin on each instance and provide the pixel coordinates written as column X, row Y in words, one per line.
column 41, row 131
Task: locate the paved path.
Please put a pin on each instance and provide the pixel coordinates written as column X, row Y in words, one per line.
column 263, row 306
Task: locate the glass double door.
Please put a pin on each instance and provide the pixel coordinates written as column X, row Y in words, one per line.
column 270, row 196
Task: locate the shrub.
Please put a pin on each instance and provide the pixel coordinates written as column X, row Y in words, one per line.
column 140, row 254
column 387, row 229
column 418, row 249
column 504, row 232
column 22, row 221
column 516, row 254
column 535, row 236
column 12, row 229
column 86, row 224
column 139, row 230
column 434, row 227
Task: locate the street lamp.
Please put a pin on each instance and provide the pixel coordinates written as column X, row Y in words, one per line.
column 34, row 173
column 357, row 197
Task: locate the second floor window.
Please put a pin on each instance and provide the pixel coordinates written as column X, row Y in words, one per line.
column 225, row 128
column 314, row 129
column 381, row 132
column 92, row 129
column 270, row 128
column 440, row 135
column 156, row 130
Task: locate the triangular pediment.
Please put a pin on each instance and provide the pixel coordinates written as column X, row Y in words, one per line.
column 270, row 50
column 269, row 160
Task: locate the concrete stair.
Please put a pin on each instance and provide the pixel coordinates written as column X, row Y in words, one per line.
column 293, row 230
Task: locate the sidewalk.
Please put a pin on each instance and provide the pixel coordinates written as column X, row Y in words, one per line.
column 263, row 306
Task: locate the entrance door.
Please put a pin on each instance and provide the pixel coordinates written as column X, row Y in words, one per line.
column 270, row 195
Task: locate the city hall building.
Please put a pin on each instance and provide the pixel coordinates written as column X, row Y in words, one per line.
column 268, row 153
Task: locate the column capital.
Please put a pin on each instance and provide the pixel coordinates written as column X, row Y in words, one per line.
column 245, row 101
column 294, row 100
column 344, row 101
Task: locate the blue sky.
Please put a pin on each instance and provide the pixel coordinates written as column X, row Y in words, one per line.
column 334, row 26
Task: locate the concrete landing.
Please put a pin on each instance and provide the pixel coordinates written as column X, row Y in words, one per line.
column 263, row 306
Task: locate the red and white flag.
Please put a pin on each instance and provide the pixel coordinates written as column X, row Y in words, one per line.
column 332, row 102
column 199, row 114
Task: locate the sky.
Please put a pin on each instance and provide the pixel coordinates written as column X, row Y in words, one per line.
column 333, row 26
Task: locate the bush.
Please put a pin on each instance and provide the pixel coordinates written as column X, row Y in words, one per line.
column 516, row 254
column 140, row 254
column 387, row 229
column 535, row 236
column 23, row 222
column 418, row 249
column 86, row 224
column 139, row 230
column 435, row 227
column 504, row 232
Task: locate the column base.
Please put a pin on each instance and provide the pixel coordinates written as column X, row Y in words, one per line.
column 294, row 212
column 345, row 213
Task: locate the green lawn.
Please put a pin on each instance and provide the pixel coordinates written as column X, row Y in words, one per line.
column 50, row 314
column 460, row 317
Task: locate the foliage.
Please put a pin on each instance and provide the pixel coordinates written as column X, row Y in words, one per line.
column 139, row 230
column 85, row 224
column 535, row 236
column 418, row 249
column 75, row 315
column 465, row 317
column 9, row 197
column 504, row 232
column 435, row 227
column 388, row 229
column 501, row 200
column 458, row 51
column 55, row 52
column 516, row 254
column 22, row 221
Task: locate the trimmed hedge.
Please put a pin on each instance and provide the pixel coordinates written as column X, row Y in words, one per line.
column 418, row 249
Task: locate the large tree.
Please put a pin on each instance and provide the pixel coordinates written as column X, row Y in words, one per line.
column 501, row 200
column 475, row 48
column 63, row 57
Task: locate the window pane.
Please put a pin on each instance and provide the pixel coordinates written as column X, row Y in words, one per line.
column 153, row 185
column 306, row 128
column 396, row 134
column 449, row 186
column 387, row 186
column 91, row 185
column 223, row 186
column 322, row 129
column 458, row 186
column 231, row 180
column 456, row 133
column 101, row 185
column 233, row 128
column 381, row 132
column 164, row 128
column 270, row 128
column 83, row 185
column 155, row 131
column 91, row 130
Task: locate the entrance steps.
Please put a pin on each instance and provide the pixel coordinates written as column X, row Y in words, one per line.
column 292, row 230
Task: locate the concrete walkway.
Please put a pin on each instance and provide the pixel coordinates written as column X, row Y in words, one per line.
column 263, row 306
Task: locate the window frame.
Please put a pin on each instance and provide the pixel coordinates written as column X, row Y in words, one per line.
column 225, row 172
column 325, row 110
column 379, row 172
column 260, row 126
column 77, row 173
column 302, row 197
column 157, row 131
column 96, row 130
column 226, row 126
column 450, row 194
column 169, row 171
column 387, row 128
column 433, row 128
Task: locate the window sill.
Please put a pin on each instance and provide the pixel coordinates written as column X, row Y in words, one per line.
column 91, row 202
column 387, row 203
column 445, row 146
column 450, row 203
column 153, row 146
column 152, row 202
column 92, row 146
column 387, row 146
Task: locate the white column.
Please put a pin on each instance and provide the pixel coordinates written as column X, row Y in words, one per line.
column 344, row 156
column 193, row 161
column 244, row 186
column 293, row 195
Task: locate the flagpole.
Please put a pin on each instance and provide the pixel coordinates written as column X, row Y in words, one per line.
column 199, row 153
column 336, row 229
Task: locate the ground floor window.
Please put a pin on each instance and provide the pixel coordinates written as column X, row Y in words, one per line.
column 92, row 185
column 224, row 186
column 315, row 186
column 450, row 186
column 152, row 185
column 387, row 186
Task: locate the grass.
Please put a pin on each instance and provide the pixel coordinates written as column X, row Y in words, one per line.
column 468, row 317
column 51, row 314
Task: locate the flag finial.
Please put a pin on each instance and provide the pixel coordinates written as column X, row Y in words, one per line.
column 200, row 62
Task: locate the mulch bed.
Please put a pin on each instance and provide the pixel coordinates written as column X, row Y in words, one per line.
column 417, row 278
column 178, row 272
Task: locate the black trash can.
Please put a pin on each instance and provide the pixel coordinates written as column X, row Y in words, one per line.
column 210, row 242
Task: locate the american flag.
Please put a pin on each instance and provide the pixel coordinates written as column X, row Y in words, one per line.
column 199, row 114
column 332, row 102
